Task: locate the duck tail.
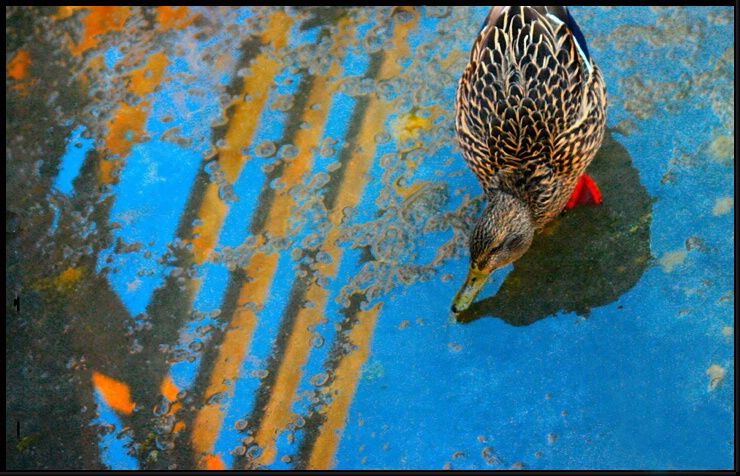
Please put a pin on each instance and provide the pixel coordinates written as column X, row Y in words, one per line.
column 556, row 15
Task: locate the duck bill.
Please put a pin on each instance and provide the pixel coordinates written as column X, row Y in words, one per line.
column 469, row 291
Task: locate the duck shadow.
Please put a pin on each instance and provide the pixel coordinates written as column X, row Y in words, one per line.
column 587, row 258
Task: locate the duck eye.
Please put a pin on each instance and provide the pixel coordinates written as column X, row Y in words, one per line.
column 514, row 241
column 498, row 248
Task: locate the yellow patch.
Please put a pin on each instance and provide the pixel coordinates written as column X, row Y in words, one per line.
column 722, row 148
column 723, row 206
column 717, row 375
column 405, row 129
column 670, row 260
column 63, row 283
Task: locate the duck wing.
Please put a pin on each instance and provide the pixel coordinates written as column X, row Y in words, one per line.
column 530, row 105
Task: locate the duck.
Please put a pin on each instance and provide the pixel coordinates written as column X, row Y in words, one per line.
column 530, row 115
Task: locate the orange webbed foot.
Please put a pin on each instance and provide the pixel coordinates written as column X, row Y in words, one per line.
column 585, row 193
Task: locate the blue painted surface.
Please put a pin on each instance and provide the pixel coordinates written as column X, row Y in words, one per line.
column 72, row 161
column 626, row 385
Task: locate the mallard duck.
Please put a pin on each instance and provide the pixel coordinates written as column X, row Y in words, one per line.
column 530, row 116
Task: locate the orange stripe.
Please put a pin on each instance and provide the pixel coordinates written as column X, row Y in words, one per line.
column 277, row 412
column 125, row 130
column 342, row 389
column 242, row 127
column 347, row 374
column 238, row 337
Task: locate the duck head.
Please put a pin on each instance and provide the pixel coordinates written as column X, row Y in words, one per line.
column 501, row 236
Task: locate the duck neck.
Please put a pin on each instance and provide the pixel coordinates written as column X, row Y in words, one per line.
column 501, row 202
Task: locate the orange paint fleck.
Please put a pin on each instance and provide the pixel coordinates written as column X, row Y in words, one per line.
column 65, row 12
column 18, row 66
column 116, row 394
column 213, row 463
column 169, row 389
column 69, row 277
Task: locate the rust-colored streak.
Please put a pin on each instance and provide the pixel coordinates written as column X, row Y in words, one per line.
column 350, row 193
column 343, row 388
column 242, row 127
column 277, row 412
column 212, row 214
column 116, row 394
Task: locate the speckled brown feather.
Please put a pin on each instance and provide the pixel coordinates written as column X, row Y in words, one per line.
column 530, row 114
